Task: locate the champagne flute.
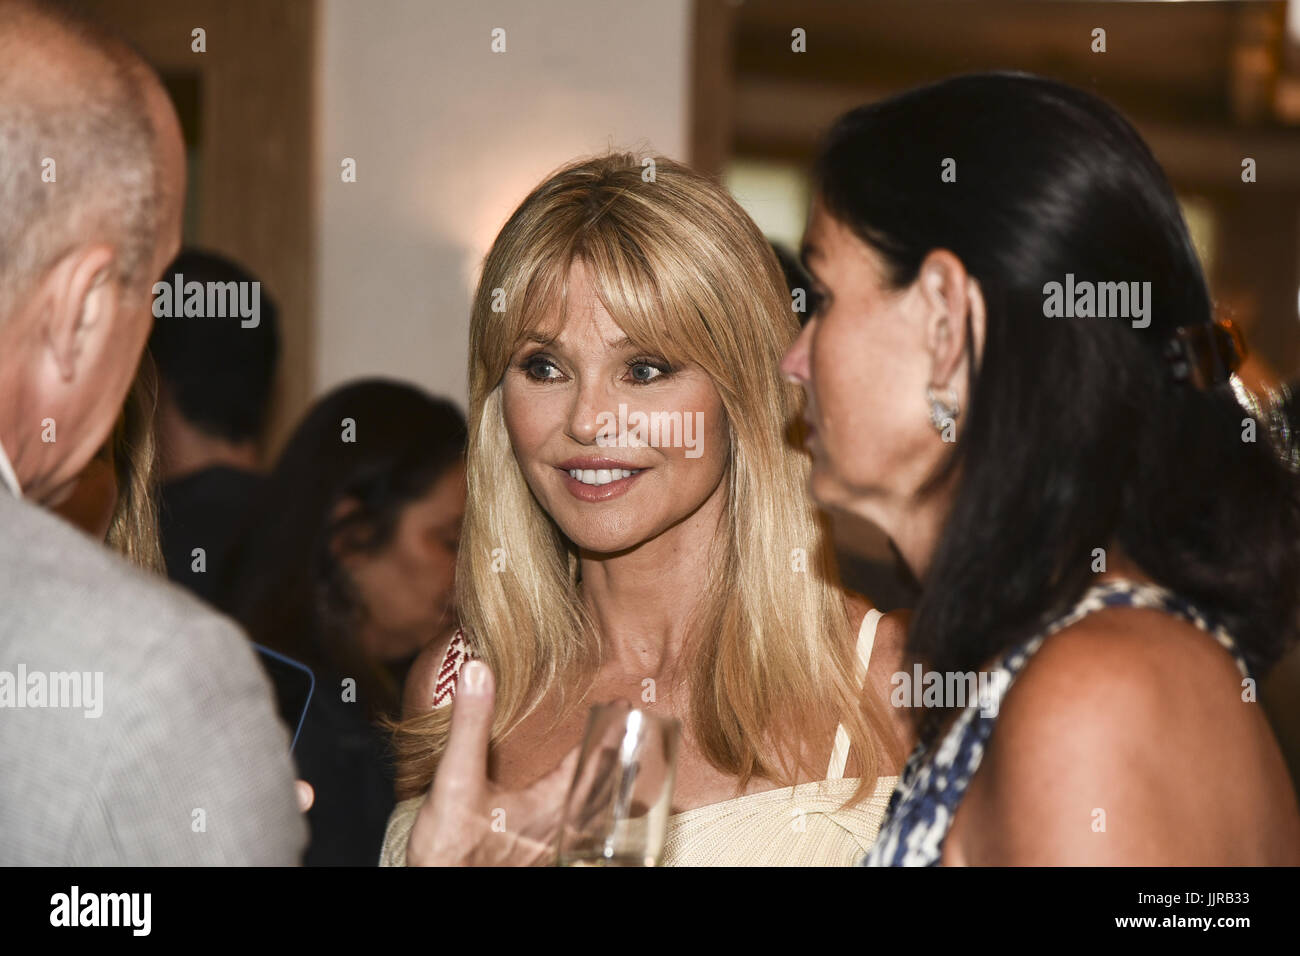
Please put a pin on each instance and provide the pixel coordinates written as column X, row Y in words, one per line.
column 616, row 812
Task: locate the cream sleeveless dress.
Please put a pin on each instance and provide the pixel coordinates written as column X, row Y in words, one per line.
column 803, row 825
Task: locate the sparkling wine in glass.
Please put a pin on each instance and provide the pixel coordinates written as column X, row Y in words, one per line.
column 618, row 805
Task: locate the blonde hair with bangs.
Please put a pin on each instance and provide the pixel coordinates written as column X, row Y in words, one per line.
column 684, row 271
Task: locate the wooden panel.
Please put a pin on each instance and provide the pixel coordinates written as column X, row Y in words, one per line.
column 1199, row 81
column 712, row 85
column 255, row 190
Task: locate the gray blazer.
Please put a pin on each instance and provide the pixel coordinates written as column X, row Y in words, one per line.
column 187, row 762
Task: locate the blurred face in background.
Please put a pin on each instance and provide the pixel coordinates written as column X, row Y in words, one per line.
column 408, row 586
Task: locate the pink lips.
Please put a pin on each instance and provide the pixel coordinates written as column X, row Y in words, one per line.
column 595, row 493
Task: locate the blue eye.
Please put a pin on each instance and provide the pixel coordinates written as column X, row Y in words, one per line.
column 540, row 369
column 644, row 371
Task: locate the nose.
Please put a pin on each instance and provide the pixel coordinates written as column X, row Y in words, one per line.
column 795, row 364
column 589, row 411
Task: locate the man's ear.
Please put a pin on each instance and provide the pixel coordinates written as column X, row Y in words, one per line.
column 80, row 296
column 950, row 296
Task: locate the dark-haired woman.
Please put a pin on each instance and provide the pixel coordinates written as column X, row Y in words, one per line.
column 348, row 565
column 1098, row 546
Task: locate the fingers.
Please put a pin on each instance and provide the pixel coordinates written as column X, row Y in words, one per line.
column 306, row 795
column 536, row 846
column 463, row 767
column 451, row 826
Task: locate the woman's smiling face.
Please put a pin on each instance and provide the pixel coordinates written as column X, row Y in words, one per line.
column 565, row 398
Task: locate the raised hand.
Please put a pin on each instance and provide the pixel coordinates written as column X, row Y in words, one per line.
column 466, row 820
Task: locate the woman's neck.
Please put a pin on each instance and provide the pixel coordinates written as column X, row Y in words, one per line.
column 641, row 600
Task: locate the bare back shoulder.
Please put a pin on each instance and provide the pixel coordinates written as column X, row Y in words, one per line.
column 1125, row 733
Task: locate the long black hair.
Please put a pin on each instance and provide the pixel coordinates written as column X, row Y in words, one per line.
column 1078, row 434
column 286, row 585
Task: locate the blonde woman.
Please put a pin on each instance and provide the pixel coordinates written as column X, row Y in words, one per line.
column 602, row 561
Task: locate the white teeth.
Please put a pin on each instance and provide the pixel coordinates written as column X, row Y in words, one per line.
column 601, row 476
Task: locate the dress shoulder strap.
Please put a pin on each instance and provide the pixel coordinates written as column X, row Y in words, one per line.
column 866, row 641
column 458, row 652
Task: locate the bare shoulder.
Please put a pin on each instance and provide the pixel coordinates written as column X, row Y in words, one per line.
column 888, row 657
column 890, row 636
column 422, row 681
column 1123, row 734
column 1126, row 668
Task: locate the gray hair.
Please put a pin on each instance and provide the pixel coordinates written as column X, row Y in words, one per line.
column 99, row 135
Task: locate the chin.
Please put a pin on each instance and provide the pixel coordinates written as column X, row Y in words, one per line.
column 827, row 490
column 600, row 529
column 832, row 495
column 602, row 540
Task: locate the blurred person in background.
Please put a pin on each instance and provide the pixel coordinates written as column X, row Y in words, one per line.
column 115, row 499
column 347, row 564
column 216, row 374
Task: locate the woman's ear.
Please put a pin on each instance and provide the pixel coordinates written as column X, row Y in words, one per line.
column 950, row 296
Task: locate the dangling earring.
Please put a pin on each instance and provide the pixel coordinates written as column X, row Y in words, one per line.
column 943, row 408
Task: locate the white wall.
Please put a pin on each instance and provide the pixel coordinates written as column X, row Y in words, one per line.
column 449, row 137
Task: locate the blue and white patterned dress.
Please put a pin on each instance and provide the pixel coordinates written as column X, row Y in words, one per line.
column 934, row 781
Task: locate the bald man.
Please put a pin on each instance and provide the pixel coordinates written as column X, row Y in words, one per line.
column 136, row 727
